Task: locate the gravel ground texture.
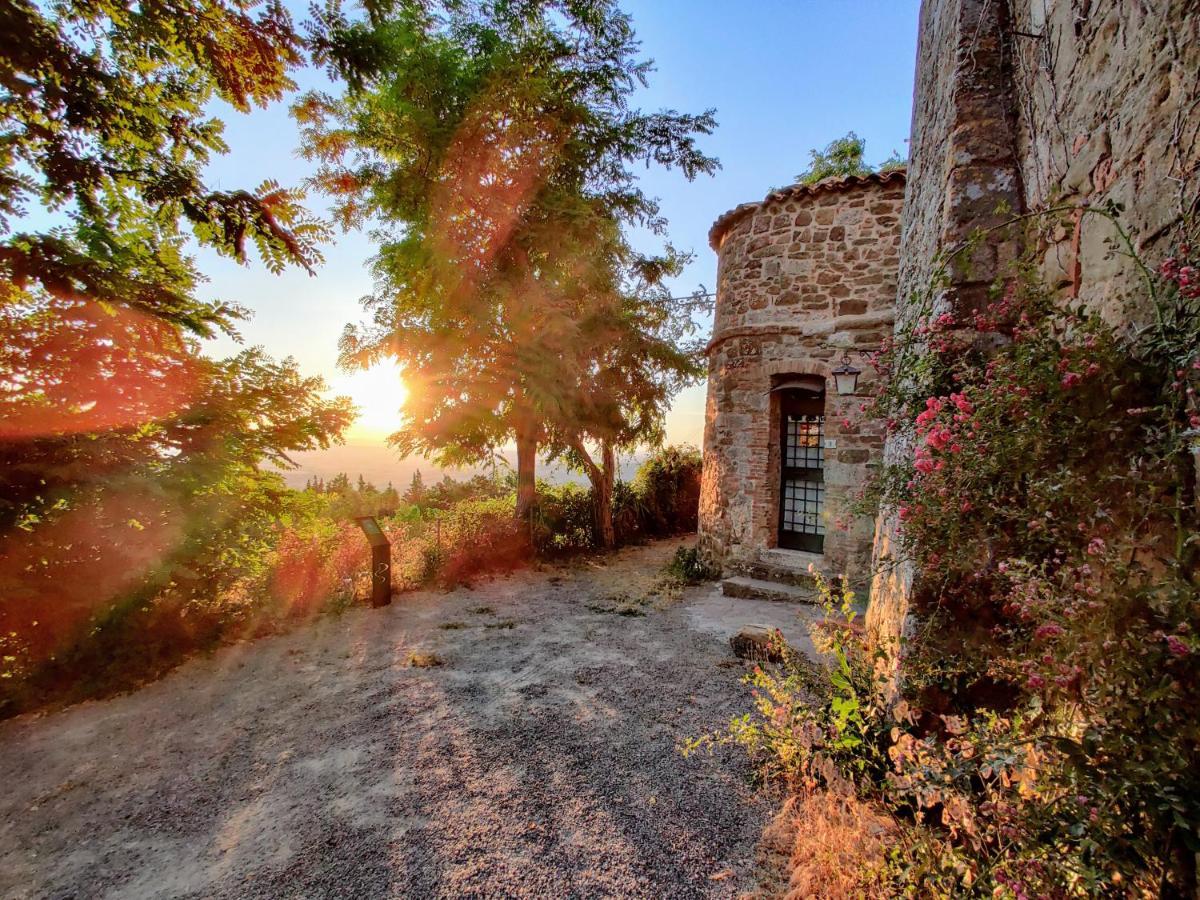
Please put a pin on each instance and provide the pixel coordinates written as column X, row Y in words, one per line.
column 539, row 759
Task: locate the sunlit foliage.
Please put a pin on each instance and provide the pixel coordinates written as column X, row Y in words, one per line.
column 493, row 144
column 104, row 124
column 131, row 493
column 129, row 477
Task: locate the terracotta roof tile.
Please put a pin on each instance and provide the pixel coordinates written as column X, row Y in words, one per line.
column 726, row 220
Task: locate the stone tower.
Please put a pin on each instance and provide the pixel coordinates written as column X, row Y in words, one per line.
column 805, row 278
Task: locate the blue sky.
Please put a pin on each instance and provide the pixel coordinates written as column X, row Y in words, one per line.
column 784, row 77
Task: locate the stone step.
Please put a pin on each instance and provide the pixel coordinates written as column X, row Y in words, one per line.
column 764, row 570
column 796, row 562
column 760, row 589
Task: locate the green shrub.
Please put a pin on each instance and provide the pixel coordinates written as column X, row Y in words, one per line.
column 478, row 536
column 663, row 499
column 564, row 519
column 666, row 491
column 691, row 566
column 818, row 725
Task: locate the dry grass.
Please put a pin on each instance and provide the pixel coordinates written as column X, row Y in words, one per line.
column 424, row 660
column 827, row 845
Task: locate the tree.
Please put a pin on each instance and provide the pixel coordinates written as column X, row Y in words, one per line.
column 389, row 498
column 104, row 126
column 633, row 358
column 134, row 465
column 104, row 109
column 416, row 490
column 493, row 142
column 126, row 456
column 842, row 158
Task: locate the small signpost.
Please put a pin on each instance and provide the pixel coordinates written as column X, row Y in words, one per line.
column 381, row 560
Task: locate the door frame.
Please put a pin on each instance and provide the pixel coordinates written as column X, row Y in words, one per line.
column 794, row 401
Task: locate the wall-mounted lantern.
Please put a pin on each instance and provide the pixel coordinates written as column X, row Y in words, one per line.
column 381, row 560
column 846, row 376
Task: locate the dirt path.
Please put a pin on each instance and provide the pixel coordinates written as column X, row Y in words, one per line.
column 540, row 760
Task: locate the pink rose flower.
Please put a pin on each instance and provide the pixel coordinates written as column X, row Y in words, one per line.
column 1176, row 646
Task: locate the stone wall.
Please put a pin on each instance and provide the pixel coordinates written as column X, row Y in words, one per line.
column 1025, row 105
column 963, row 176
column 1107, row 97
column 802, row 276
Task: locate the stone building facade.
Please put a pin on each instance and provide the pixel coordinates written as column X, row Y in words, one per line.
column 1025, row 105
column 805, row 277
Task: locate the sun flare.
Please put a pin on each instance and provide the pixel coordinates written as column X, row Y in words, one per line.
column 378, row 392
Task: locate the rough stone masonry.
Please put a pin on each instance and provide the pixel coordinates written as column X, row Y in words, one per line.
column 1023, row 106
column 804, row 277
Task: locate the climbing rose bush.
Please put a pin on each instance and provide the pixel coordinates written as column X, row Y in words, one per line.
column 1049, row 739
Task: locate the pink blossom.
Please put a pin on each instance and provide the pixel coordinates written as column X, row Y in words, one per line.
column 1048, row 630
column 1176, row 646
column 939, row 438
column 924, row 465
column 1095, row 546
column 1071, row 379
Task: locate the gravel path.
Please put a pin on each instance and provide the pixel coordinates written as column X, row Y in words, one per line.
column 540, row 760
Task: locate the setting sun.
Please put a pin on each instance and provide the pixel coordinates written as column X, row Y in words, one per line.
column 378, row 393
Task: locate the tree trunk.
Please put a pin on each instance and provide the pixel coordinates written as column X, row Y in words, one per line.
column 605, row 533
column 601, row 478
column 526, row 468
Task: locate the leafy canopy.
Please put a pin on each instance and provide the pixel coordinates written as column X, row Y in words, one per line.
column 493, row 145
column 105, row 131
column 128, row 460
column 843, row 158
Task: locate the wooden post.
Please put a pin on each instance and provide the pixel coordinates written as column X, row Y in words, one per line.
column 381, row 560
